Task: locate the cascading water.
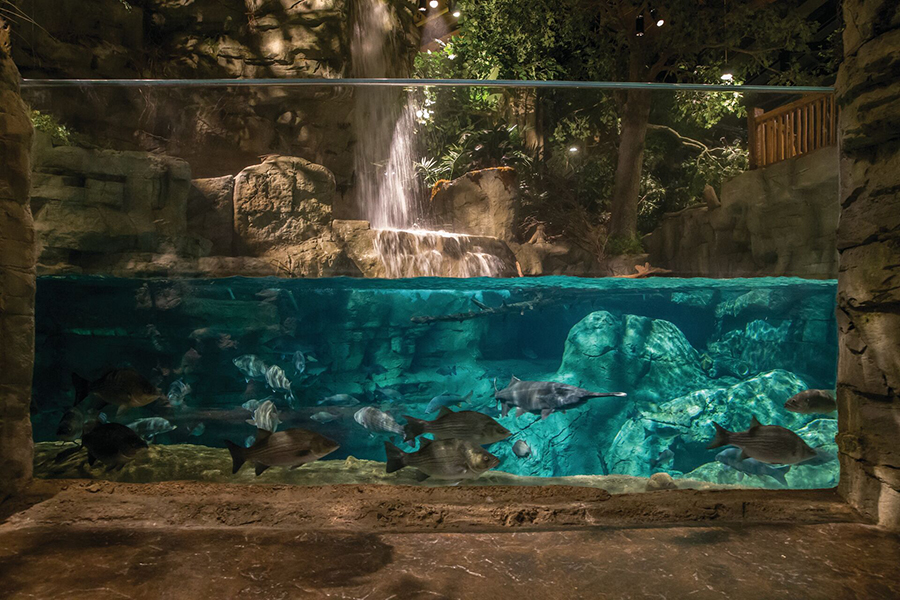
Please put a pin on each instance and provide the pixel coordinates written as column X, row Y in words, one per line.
column 387, row 188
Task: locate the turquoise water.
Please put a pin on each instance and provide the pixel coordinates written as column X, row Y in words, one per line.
column 687, row 352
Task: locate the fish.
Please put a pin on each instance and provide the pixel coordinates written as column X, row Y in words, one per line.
column 661, row 428
column 249, row 440
column 289, row 448
column 265, row 417
column 377, row 421
column 70, row 425
column 299, row 362
column 251, row 405
column 446, row 399
column 287, row 344
column 528, row 353
column 113, row 444
column 466, row 425
column 664, row 456
column 521, row 449
column 388, row 394
column 771, row 444
column 447, row 371
column 125, row 388
column 451, row 460
column 315, row 371
column 277, row 380
column 371, row 370
column 324, row 417
column 750, row 466
column 177, row 392
column 340, row 400
column 823, row 455
column 198, row 430
column 151, row 427
column 811, row 402
column 544, row 397
column 251, row 366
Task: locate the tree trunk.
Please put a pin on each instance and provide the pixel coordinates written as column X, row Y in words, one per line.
column 626, row 192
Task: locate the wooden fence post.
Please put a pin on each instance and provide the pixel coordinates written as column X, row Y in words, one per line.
column 752, row 136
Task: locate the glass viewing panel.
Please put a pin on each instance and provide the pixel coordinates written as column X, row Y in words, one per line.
column 587, row 284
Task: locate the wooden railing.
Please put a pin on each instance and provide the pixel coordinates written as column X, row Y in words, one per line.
column 792, row 130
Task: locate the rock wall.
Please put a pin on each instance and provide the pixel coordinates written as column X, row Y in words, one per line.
column 17, row 257
column 776, row 221
column 483, row 202
column 869, row 244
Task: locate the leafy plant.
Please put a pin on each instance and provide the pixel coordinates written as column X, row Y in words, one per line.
column 60, row 135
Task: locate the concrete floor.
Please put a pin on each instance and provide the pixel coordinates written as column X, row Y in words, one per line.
column 71, row 543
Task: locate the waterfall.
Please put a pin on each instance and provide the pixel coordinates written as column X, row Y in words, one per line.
column 420, row 253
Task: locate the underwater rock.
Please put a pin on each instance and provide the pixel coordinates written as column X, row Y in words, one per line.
column 661, row 481
column 628, row 353
column 482, row 203
column 282, row 201
column 758, row 301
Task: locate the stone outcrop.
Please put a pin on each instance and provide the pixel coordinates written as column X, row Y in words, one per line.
column 780, row 220
column 483, row 202
column 17, row 283
column 869, row 244
column 210, row 212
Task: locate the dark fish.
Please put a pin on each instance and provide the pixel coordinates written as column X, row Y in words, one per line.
column 811, row 402
column 287, row 344
column 446, row 399
column 70, row 425
column 663, row 456
column 447, row 371
column 467, row 425
column 544, row 397
column 371, row 370
column 126, row 388
column 388, row 394
column 750, row 466
column 289, row 448
column 528, row 353
column 452, row 460
column 767, row 443
column 112, row 444
column 521, row 449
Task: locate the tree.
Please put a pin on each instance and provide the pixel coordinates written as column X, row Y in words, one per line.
column 599, row 40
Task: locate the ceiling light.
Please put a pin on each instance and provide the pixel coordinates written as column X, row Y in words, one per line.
column 727, row 76
column 573, row 149
column 457, row 14
column 433, row 4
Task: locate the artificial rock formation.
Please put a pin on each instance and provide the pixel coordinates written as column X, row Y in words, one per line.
column 869, row 244
column 17, row 283
column 780, row 220
column 481, row 202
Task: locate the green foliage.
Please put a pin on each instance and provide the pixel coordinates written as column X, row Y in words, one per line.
column 60, row 135
column 617, row 245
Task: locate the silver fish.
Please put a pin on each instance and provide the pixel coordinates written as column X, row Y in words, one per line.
column 177, row 392
column 451, row 460
column 324, row 417
column 151, row 427
column 198, row 430
column 265, row 417
column 544, row 397
column 468, row 425
column 340, row 400
column 661, row 458
column 750, row 466
column 446, row 399
column 766, row 443
column 377, row 421
column 251, row 405
column 277, row 380
column 288, row 448
column 388, row 394
column 249, row 440
column 521, row 449
column 299, row 362
column 812, row 402
column 251, row 366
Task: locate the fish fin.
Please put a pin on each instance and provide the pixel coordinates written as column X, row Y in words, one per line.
column 82, row 388
column 297, row 466
column 395, row 458
column 91, row 459
column 519, row 412
column 414, row 427
column 496, row 391
column 754, row 423
column 466, row 398
column 779, row 474
column 262, row 434
column 237, row 456
column 721, row 438
column 420, row 476
column 250, row 422
column 260, row 469
column 513, row 380
column 445, row 410
column 743, row 455
column 740, row 476
column 505, row 409
column 122, row 408
column 546, row 413
column 424, row 443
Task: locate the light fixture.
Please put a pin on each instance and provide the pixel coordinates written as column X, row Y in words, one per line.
column 573, row 149
column 433, row 4
column 456, row 13
column 727, row 75
column 639, row 25
column 422, row 7
column 655, row 16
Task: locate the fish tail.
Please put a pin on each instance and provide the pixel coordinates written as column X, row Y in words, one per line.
column 466, row 398
column 721, row 438
column 237, row 456
column 496, row 391
column 779, row 474
column 395, row 458
column 82, row 387
column 413, row 428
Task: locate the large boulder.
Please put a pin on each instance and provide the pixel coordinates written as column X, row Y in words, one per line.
column 210, row 212
column 480, row 203
column 285, row 200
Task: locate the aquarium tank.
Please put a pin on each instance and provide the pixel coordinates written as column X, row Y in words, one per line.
column 424, row 282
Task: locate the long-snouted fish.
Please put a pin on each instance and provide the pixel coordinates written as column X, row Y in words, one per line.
column 544, row 397
column 450, row 460
column 771, row 444
column 466, row 425
column 126, row 388
column 289, row 448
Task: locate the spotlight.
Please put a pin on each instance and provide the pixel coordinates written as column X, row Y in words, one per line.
column 422, row 7
column 433, row 4
column 573, row 149
column 727, row 75
column 454, row 10
column 639, row 25
column 655, row 16
column 456, row 13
